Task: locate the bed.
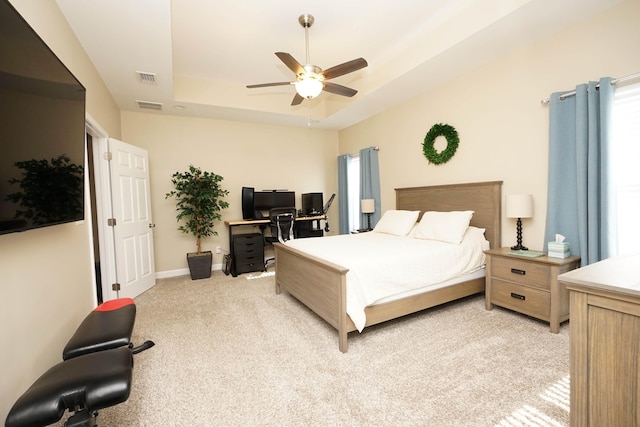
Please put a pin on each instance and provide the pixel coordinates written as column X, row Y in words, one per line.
column 321, row 284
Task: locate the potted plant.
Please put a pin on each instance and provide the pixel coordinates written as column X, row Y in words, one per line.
column 199, row 200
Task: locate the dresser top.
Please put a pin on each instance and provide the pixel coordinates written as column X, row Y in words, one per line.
column 619, row 274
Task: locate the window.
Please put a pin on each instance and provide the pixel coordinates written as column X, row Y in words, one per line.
column 625, row 171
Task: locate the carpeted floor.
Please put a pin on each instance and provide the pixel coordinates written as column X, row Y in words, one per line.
column 231, row 352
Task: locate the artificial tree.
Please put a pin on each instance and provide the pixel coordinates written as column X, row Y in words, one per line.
column 199, row 201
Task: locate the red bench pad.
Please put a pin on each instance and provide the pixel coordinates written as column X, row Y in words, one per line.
column 114, row 304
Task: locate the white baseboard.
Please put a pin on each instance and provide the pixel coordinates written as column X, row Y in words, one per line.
column 181, row 272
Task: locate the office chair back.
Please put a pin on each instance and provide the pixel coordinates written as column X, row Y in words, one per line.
column 282, row 221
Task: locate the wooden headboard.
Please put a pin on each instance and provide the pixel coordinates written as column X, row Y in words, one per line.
column 484, row 198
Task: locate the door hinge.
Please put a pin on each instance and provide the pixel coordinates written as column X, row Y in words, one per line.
column 115, row 287
column 111, row 222
column 108, row 156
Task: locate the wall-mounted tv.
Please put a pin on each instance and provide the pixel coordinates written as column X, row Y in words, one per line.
column 42, row 131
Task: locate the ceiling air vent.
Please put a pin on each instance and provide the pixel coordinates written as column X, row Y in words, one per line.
column 149, row 105
column 146, row 78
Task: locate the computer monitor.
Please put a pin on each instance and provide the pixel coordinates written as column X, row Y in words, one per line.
column 248, row 211
column 312, row 203
column 263, row 201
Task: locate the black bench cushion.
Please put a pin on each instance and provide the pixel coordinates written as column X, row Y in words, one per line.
column 109, row 325
column 92, row 381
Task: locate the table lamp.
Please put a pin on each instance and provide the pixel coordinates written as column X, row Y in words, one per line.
column 368, row 206
column 519, row 206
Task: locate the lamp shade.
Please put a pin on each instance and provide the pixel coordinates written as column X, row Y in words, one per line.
column 309, row 87
column 368, row 205
column 520, row 206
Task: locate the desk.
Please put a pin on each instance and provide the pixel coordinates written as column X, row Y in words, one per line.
column 266, row 221
column 262, row 223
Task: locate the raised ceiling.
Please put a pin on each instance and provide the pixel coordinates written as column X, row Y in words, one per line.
column 203, row 53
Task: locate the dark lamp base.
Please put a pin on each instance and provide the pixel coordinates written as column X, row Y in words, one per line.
column 518, row 246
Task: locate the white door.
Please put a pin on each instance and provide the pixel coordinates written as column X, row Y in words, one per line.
column 131, row 211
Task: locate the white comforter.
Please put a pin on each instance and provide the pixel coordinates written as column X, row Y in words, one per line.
column 381, row 265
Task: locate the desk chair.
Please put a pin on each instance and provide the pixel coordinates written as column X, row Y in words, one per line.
column 281, row 221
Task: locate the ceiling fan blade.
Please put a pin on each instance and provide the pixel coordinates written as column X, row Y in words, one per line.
column 346, row 68
column 297, row 99
column 268, row 85
column 290, row 62
column 338, row 89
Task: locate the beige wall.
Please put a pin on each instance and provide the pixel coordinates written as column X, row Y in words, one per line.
column 47, row 274
column 245, row 154
column 496, row 109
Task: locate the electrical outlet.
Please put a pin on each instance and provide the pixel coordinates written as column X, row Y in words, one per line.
column 218, row 250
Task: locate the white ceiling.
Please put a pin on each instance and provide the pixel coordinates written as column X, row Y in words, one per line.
column 205, row 52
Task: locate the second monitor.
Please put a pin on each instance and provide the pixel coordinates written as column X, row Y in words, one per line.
column 312, row 203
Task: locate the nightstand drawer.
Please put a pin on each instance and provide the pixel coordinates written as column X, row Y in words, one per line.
column 523, row 299
column 522, row 272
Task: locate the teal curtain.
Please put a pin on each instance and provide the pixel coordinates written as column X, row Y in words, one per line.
column 578, row 205
column 370, row 182
column 343, row 194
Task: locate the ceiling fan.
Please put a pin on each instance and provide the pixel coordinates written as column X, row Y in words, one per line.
column 310, row 79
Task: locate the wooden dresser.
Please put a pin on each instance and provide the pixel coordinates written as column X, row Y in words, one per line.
column 605, row 342
column 529, row 285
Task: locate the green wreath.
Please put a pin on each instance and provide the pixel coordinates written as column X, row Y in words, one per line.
column 450, row 134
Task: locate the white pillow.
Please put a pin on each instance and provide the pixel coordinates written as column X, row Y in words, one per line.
column 397, row 222
column 444, row 226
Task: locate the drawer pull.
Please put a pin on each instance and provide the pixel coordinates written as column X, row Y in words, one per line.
column 518, row 296
column 518, row 271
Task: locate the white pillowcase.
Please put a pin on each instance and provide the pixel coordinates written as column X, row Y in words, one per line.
column 397, row 222
column 443, row 226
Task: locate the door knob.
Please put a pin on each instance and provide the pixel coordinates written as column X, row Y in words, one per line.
column 152, row 226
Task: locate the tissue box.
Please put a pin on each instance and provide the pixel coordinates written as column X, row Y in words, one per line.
column 559, row 250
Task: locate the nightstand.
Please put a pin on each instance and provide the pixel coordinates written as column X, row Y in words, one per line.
column 362, row 230
column 529, row 285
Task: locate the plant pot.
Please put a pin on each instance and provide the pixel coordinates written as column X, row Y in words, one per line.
column 200, row 264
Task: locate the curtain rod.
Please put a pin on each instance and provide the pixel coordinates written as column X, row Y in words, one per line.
column 376, row 148
column 613, row 82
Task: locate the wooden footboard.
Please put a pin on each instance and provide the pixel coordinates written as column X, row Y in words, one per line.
column 318, row 284
column 321, row 285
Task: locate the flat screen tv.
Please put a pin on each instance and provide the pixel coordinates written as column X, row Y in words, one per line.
column 42, row 131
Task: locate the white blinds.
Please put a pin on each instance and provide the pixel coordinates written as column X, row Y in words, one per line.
column 625, row 166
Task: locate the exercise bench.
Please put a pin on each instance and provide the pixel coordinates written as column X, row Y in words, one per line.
column 95, row 373
column 108, row 326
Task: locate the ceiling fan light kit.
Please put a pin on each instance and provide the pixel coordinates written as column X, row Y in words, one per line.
column 308, row 87
column 310, row 79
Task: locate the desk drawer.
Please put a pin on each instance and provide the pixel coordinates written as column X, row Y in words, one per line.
column 247, row 243
column 523, row 299
column 247, row 265
column 248, row 252
column 522, row 272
